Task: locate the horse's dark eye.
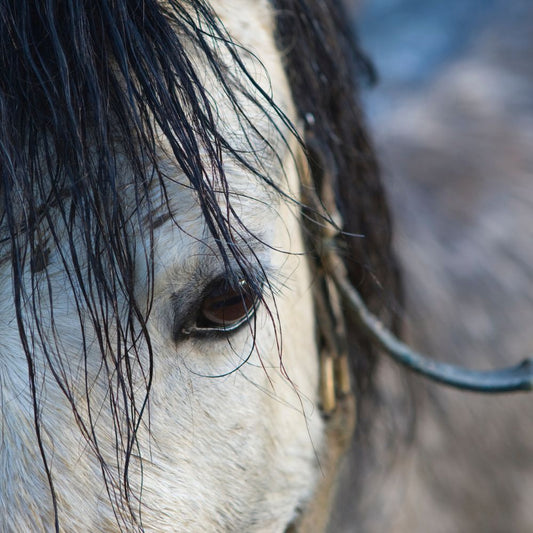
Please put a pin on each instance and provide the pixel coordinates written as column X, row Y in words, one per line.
column 225, row 307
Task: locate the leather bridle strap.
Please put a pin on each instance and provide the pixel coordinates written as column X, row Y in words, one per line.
column 337, row 404
column 338, row 407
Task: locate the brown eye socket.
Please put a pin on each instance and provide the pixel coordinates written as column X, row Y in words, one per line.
column 226, row 306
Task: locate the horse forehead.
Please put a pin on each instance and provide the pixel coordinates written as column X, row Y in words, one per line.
column 249, row 21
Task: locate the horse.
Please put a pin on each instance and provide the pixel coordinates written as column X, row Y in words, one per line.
column 179, row 180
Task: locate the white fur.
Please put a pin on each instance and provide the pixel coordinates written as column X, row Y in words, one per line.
column 234, row 453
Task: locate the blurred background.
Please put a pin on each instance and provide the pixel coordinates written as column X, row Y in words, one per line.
column 452, row 120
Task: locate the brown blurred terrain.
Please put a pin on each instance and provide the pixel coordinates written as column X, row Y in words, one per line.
column 456, row 148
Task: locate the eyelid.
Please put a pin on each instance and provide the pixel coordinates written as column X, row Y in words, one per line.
column 222, row 329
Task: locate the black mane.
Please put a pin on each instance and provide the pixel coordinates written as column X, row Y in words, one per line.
column 84, row 85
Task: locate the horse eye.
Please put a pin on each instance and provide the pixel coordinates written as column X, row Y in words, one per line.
column 225, row 307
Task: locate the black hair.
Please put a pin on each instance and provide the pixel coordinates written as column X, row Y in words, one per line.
column 86, row 87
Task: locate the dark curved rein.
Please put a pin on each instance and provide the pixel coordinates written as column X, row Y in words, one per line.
column 509, row 379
